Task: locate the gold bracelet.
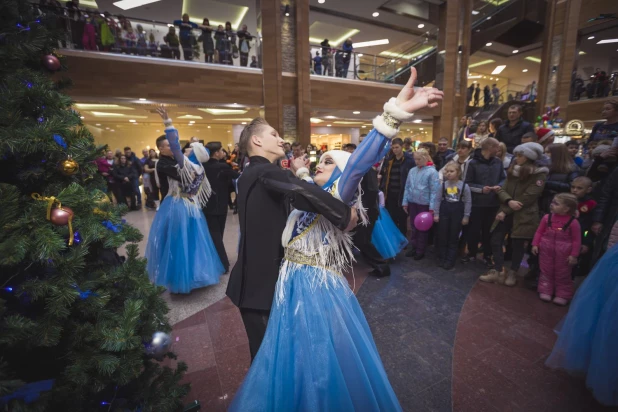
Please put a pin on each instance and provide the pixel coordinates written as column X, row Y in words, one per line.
column 391, row 121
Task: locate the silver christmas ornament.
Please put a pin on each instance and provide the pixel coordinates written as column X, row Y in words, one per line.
column 159, row 345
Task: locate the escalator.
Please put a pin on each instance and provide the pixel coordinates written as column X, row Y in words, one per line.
column 514, row 22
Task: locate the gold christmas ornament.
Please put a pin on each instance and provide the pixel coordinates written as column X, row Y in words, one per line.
column 69, row 167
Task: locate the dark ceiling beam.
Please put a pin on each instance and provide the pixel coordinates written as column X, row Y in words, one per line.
column 373, row 22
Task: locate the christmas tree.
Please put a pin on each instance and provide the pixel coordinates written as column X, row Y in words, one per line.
column 76, row 320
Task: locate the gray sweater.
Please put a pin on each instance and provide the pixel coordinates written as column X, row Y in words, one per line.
column 454, row 191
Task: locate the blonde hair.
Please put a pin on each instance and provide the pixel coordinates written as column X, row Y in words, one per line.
column 453, row 165
column 569, row 200
column 251, row 129
column 422, row 153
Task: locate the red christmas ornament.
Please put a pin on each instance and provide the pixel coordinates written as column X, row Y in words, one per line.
column 61, row 216
column 51, row 63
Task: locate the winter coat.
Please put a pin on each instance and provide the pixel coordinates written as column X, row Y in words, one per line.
column 421, row 186
column 557, row 183
column 606, row 212
column 511, row 136
column 404, row 169
column 483, row 172
column 527, row 191
column 105, row 167
column 440, row 158
column 120, row 172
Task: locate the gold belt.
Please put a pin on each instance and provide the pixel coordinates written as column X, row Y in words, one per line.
column 294, row 256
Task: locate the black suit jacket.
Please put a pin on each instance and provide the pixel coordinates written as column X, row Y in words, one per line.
column 265, row 194
column 220, row 176
column 369, row 186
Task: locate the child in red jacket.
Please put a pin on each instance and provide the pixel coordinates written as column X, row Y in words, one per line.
column 557, row 242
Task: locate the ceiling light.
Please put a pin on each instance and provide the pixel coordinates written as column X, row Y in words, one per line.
column 190, row 116
column 491, row 78
column 321, row 1
column 392, row 60
column 442, row 52
column 192, row 121
column 328, row 125
column 364, row 127
column 81, row 117
column 209, row 127
column 478, row 76
column 158, row 130
column 591, row 37
column 475, row 12
column 96, row 106
column 499, row 69
column 105, row 114
column 142, row 99
column 246, row 122
column 481, row 63
column 408, row 56
column 375, row 14
column 131, row 4
column 489, row 18
column 484, row 77
column 112, row 130
column 315, row 120
column 370, row 43
column 287, row 13
column 217, row 112
column 488, row 44
column 417, row 121
column 533, row 59
column 330, row 117
column 581, row 52
column 420, row 26
column 360, row 55
column 356, row 112
column 408, row 130
column 98, row 124
column 107, row 128
column 132, row 121
column 515, row 51
column 608, row 41
column 525, row 70
column 420, row 128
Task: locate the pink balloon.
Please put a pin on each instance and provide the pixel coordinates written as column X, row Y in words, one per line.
column 423, row 221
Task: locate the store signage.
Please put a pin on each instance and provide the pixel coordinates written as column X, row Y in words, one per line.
column 574, row 128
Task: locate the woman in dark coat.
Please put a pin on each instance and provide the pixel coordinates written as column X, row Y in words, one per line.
column 207, row 41
column 124, row 174
column 562, row 172
column 486, row 97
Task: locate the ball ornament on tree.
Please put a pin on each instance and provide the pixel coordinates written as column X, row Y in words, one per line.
column 51, row 62
column 61, row 216
column 68, row 167
column 159, row 345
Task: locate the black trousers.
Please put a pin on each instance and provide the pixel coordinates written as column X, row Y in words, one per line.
column 187, row 48
column 362, row 240
column 451, row 215
column 255, row 322
column 497, row 242
column 481, row 219
column 393, row 205
column 244, row 59
column 216, row 227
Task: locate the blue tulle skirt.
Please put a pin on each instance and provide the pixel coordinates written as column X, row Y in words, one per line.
column 318, row 353
column 180, row 252
column 587, row 344
column 386, row 237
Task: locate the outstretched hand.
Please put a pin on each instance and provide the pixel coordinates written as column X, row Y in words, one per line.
column 162, row 112
column 412, row 100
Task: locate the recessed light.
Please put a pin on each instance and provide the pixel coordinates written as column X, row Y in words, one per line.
column 608, row 41
column 515, row 51
column 420, row 128
column 107, row 128
column 131, row 4
column 321, row 1
column 417, row 121
column 360, row 55
column 484, row 77
column 591, row 37
column 132, row 121
column 392, row 60
column 112, row 130
column 364, row 127
column 491, row 78
column 192, row 121
column 371, row 43
column 375, row 14
column 525, row 70
column 158, row 130
column 489, row 18
column 81, row 117
column 246, row 122
column 228, row 131
column 209, row 127
column 408, row 130
column 356, row 112
column 499, row 69
column 420, row 26
column 98, row 124
column 475, row 12
column 328, row 125
column 488, row 44
column 142, row 99
column 330, row 117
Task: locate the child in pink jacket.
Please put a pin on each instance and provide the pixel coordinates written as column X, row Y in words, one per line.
column 557, row 242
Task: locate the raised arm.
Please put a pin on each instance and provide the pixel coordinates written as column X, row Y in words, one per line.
column 172, row 137
column 375, row 146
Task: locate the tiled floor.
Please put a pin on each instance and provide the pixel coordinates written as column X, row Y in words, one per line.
column 448, row 342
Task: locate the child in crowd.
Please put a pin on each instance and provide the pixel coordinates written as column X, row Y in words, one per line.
column 529, row 137
column 519, row 211
column 386, row 236
column 452, row 210
column 573, row 148
column 482, row 133
column 557, row 242
column 419, row 196
column 581, row 188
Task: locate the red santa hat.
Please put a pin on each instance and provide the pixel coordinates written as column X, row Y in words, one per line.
column 545, row 135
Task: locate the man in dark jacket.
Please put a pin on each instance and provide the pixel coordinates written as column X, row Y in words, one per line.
column 439, row 160
column 362, row 234
column 511, row 132
column 485, row 175
column 220, row 176
column 137, row 166
column 604, row 215
column 394, row 174
column 265, row 194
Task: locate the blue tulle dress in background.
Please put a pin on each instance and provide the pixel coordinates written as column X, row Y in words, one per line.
column 587, row 344
column 386, row 237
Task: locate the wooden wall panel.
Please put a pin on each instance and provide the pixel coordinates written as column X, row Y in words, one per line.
column 271, row 62
column 330, row 93
column 586, row 110
column 303, row 83
column 129, row 77
column 451, row 41
column 567, row 52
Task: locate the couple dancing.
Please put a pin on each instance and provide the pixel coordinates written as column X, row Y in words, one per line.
column 310, row 343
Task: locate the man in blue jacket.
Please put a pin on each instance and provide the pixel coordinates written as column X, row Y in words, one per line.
column 394, row 174
column 511, row 132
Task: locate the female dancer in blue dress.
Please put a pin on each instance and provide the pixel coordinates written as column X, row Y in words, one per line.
column 587, row 344
column 318, row 353
column 181, row 255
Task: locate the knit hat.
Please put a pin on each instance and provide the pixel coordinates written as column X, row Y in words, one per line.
column 340, row 158
column 545, row 135
column 531, row 150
